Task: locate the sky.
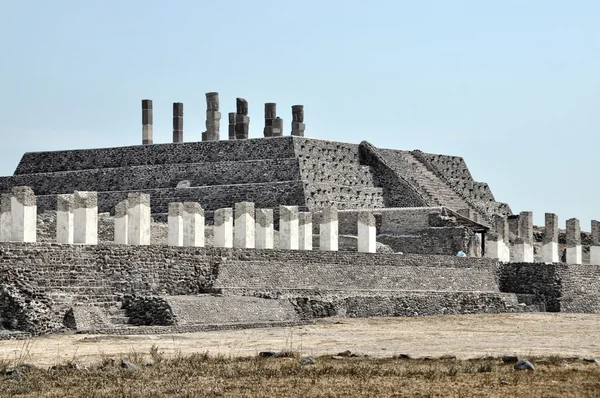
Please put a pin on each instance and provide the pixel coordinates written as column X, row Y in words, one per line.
column 511, row 86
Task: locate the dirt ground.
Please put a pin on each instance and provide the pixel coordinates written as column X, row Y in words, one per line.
column 466, row 336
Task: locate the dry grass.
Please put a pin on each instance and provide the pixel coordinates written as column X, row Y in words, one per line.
column 201, row 375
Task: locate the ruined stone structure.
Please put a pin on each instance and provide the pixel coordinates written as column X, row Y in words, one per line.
column 268, row 231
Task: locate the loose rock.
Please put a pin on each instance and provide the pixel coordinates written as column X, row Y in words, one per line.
column 524, row 364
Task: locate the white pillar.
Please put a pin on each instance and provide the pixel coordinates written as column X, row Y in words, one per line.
column 523, row 247
column 366, row 233
column 64, row 218
column 175, row 224
column 138, row 219
column 264, row 228
column 288, row 227
column 5, row 218
column 305, row 235
column 550, row 241
column 328, row 231
column 243, row 236
column 23, row 215
column 574, row 253
column 595, row 246
column 85, row 218
column 121, row 223
column 223, row 229
column 193, row 224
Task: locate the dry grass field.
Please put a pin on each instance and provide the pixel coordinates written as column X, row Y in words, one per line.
column 227, row 364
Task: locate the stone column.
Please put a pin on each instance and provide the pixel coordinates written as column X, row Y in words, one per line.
column 366, row 233
column 243, row 236
column 64, row 218
column 264, row 228
column 223, row 227
column 147, row 122
column 298, row 125
column 138, row 219
column 573, row 241
column 85, row 218
column 305, row 234
column 523, row 248
column 288, row 227
column 5, row 218
column 550, row 242
column 175, row 224
column 277, row 127
column 242, row 121
column 328, row 229
column 232, row 125
column 121, row 224
column 270, row 114
column 177, row 122
column 23, row 211
column 595, row 246
column 213, row 117
column 497, row 240
column 193, row 224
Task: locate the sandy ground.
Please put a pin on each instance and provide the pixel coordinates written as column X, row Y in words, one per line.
column 465, row 336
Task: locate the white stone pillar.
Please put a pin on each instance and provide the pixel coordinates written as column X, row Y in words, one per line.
column 305, row 234
column 595, row 246
column 5, row 218
column 243, row 236
column 366, row 233
column 264, row 228
column 23, row 215
column 328, row 231
column 288, row 227
column 138, row 219
column 121, row 235
column 64, row 218
column 550, row 241
column 175, row 224
column 85, row 218
column 193, row 224
column 574, row 255
column 523, row 247
column 223, row 228
column 497, row 240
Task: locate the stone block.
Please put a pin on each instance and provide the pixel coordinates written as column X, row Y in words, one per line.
column 298, row 129
column 264, row 228
column 277, row 128
column 85, row 218
column 366, row 233
column 147, row 134
column 305, row 235
column 175, row 224
column 595, row 233
column 23, row 215
column 138, row 219
column 193, row 224
column 177, row 109
column 522, row 252
column 288, row 228
column 212, row 101
column 121, row 225
column 595, row 255
column 328, row 229
column 223, row 227
column 64, row 218
column 5, row 218
column 298, row 113
column 244, row 233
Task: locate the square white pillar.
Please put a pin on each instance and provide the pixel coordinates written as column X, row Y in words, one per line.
column 223, row 228
column 522, row 252
column 595, row 245
column 175, row 222
column 574, row 255
column 64, row 218
column 138, row 219
column 366, row 233
column 595, row 255
column 264, row 228
column 85, row 218
column 288, row 227
column 243, row 236
column 193, row 224
column 305, row 235
column 121, row 234
column 550, row 253
column 550, row 241
column 328, row 231
column 5, row 218
column 23, row 215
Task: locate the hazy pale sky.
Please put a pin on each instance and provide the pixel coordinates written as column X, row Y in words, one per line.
column 511, row 86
